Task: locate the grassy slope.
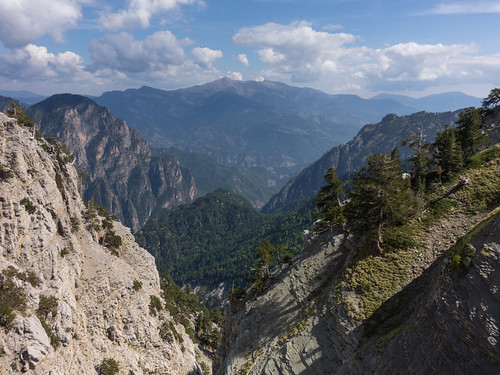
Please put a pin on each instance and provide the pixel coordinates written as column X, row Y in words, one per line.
column 371, row 280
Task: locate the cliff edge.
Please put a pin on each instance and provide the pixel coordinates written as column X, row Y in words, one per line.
column 77, row 293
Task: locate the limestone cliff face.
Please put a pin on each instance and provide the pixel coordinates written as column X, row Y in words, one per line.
column 69, row 305
column 121, row 174
column 442, row 320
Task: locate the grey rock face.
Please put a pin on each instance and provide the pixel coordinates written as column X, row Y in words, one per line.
column 120, row 171
column 443, row 321
column 79, row 302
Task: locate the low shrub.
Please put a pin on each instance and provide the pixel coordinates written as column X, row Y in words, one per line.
column 109, row 366
column 30, row 207
column 399, row 238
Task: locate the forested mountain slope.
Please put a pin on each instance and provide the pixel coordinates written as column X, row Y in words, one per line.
column 118, row 168
column 211, row 243
column 381, row 137
column 209, row 175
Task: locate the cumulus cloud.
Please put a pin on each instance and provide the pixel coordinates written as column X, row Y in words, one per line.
column 36, row 63
column 237, row 76
column 298, row 53
column 242, row 58
column 139, row 13
column 205, row 57
column 123, row 53
column 24, row 21
column 296, row 48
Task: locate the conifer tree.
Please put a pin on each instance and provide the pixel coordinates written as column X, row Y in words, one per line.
column 328, row 199
column 448, row 153
column 380, row 197
column 469, row 133
column 492, row 100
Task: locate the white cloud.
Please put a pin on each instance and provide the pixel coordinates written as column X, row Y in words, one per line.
column 139, row 13
column 24, row 21
column 466, row 8
column 205, row 57
column 121, row 52
column 237, row 76
column 36, row 63
column 242, row 58
column 297, row 53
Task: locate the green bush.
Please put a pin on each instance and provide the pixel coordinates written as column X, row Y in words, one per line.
column 75, row 224
column 154, row 305
column 5, row 172
column 12, row 298
column 137, row 285
column 461, row 256
column 109, row 366
column 399, row 238
column 28, row 276
column 47, row 305
column 28, row 205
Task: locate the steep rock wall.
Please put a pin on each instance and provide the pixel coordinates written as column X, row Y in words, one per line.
column 82, row 304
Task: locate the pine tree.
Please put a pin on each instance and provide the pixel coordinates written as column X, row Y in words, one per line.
column 328, row 199
column 469, row 133
column 380, row 197
column 492, row 100
column 447, row 152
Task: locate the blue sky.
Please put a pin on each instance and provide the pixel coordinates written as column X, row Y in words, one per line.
column 338, row 46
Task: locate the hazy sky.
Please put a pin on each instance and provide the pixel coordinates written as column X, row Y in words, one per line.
column 338, row 46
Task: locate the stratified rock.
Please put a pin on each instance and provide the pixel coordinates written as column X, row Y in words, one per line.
column 74, row 303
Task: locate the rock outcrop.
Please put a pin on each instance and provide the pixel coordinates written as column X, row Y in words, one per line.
column 443, row 319
column 70, row 305
column 119, row 169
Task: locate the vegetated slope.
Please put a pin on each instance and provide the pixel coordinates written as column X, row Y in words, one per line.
column 213, row 240
column 209, row 175
column 251, row 124
column 76, row 291
column 119, row 170
column 371, row 139
column 4, row 102
column 427, row 308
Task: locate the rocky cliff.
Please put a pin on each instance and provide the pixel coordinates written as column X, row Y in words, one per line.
column 77, row 294
column 338, row 309
column 120, row 172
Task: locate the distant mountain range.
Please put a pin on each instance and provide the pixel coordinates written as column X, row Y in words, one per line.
column 25, row 97
column 254, row 124
column 249, row 137
column 450, row 101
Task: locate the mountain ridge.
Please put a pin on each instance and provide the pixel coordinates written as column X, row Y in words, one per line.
column 381, row 137
column 121, row 172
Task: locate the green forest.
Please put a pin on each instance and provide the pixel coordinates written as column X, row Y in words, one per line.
column 215, row 238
